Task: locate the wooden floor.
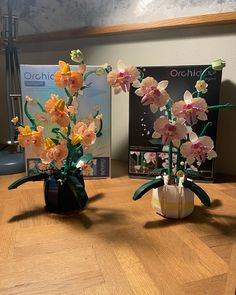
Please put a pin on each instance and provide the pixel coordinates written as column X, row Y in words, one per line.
column 115, row 246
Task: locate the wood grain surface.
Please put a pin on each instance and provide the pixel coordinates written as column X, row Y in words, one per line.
column 116, row 245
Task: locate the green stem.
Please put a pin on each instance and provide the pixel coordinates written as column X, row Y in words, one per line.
column 70, row 97
column 178, row 164
column 221, row 106
column 89, row 73
column 41, row 107
column 205, row 128
column 170, row 159
column 170, row 151
column 98, row 133
column 20, row 124
column 32, row 120
column 202, row 78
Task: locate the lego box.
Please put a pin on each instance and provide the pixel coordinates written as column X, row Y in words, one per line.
column 145, row 153
column 37, row 82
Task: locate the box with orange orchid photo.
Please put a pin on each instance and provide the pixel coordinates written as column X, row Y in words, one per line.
column 174, row 132
column 37, row 82
column 60, row 134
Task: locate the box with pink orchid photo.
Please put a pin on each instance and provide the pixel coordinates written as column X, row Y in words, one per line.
column 38, row 86
column 147, row 155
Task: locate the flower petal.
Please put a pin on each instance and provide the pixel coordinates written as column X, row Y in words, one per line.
column 188, row 97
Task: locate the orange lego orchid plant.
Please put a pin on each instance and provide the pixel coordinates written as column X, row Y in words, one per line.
column 62, row 156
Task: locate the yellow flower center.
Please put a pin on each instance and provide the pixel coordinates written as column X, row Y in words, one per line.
column 60, row 105
column 66, row 70
column 77, row 138
column 27, row 130
column 49, row 144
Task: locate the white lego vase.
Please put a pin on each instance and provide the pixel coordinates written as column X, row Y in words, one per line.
column 173, row 201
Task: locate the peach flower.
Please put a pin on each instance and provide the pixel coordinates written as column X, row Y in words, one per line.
column 53, row 152
column 153, row 93
column 198, row 148
column 191, row 108
column 57, row 110
column 65, row 78
column 29, row 138
column 122, row 78
column 24, row 136
column 82, row 133
column 169, row 131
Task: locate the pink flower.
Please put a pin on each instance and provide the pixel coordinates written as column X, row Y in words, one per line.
column 169, row 131
column 122, row 78
column 198, row 148
column 53, row 152
column 153, row 93
column 150, row 157
column 191, row 108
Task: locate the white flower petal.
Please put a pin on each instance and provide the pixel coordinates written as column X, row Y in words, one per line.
column 136, row 84
column 202, row 116
column 120, row 65
column 188, row 97
column 162, row 85
column 193, row 137
column 176, row 142
column 211, row 154
column 153, row 108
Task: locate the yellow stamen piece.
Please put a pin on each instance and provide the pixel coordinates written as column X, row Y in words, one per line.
column 66, row 70
column 27, row 130
column 60, row 105
column 180, row 173
column 77, row 138
column 49, row 144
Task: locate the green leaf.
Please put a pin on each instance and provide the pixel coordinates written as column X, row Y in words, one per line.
column 198, row 191
column 143, row 189
column 25, row 179
column 56, row 141
column 86, row 158
column 78, row 190
column 155, row 141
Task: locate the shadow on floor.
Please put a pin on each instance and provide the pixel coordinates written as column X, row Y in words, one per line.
column 201, row 215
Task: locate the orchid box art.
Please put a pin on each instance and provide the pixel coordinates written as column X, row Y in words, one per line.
column 37, row 82
column 147, row 155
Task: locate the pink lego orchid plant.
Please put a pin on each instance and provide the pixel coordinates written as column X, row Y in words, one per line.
column 62, row 152
column 185, row 150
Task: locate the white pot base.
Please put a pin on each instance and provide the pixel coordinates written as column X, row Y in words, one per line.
column 173, row 202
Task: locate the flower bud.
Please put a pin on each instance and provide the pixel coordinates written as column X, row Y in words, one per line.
column 77, row 56
column 218, row 64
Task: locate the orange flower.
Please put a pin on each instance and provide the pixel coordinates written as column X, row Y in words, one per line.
column 33, row 139
column 57, row 110
column 53, row 152
column 81, row 133
column 65, row 78
column 24, row 136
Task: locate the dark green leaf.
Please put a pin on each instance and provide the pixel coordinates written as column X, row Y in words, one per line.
column 78, row 190
column 155, row 141
column 147, row 187
column 26, row 179
column 198, row 191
